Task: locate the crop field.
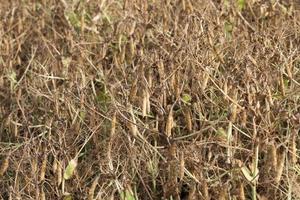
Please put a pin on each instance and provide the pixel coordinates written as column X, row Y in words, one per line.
column 149, row 99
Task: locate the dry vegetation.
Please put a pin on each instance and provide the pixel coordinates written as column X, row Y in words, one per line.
column 149, row 99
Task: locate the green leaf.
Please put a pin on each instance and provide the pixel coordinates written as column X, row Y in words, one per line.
column 127, row 195
column 68, row 197
column 186, row 98
column 73, row 19
column 226, row 3
column 241, row 4
column 221, row 133
column 228, row 27
column 69, row 171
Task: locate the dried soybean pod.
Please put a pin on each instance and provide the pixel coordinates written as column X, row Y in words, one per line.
column 59, row 173
column 204, row 190
column 132, row 125
column 4, row 166
column 144, row 104
column 133, row 91
column 42, row 195
column 181, row 166
column 241, row 192
column 272, row 156
column 113, row 124
column 293, row 147
column 192, row 192
column 54, row 165
column 281, row 83
column 43, row 167
column 280, row 167
column 92, row 188
column 170, row 123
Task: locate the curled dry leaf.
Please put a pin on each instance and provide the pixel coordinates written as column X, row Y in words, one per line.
column 69, row 171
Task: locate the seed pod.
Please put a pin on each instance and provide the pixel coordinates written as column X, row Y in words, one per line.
column 172, row 150
column 82, row 21
column 251, row 95
column 133, row 127
column 204, row 190
column 233, row 112
column 113, row 125
column 288, row 70
column 34, row 167
column 183, row 5
column 192, row 192
column 280, row 167
column 254, row 128
column 122, row 54
column 172, row 83
column 272, row 156
column 181, row 166
column 144, row 102
column 268, row 110
column 241, row 192
column 92, row 188
column 37, row 193
column 190, row 6
column 225, row 87
column 170, row 123
column 222, row 194
column 188, row 118
column 132, row 47
column 270, row 98
column 59, row 173
column 281, row 83
column 293, row 151
column 161, row 70
column 148, row 101
column 205, row 81
column 234, row 108
column 244, row 118
column 16, row 130
column 42, row 195
column 54, row 165
column 4, row 166
column 133, row 91
column 149, row 79
column 43, row 167
column 132, row 28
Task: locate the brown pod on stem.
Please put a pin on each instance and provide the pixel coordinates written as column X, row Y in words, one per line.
column 188, row 118
column 59, row 173
column 192, row 192
column 43, row 167
column 280, row 166
column 169, row 123
column 4, row 166
column 181, row 166
column 92, row 188
column 133, row 126
column 113, row 125
column 293, row 151
column 241, row 192
column 133, row 91
column 272, row 156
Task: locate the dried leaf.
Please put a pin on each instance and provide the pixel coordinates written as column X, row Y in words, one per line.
column 69, row 171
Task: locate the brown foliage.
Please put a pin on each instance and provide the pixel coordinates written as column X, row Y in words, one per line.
column 141, row 94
